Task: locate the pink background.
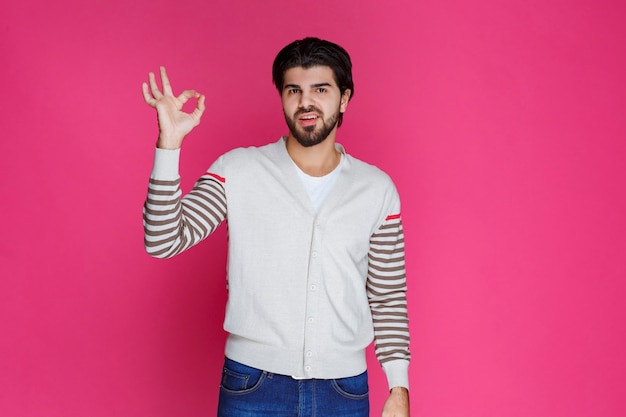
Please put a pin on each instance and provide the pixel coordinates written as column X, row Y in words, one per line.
column 501, row 121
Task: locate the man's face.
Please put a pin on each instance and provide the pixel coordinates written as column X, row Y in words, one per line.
column 312, row 102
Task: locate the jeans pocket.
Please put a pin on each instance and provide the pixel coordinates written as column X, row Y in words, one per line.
column 240, row 378
column 353, row 387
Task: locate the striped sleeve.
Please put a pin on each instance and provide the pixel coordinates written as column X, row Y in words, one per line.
column 173, row 224
column 386, row 287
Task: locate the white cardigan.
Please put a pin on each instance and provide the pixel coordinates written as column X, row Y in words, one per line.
column 307, row 291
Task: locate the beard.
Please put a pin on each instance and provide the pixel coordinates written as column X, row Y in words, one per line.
column 308, row 136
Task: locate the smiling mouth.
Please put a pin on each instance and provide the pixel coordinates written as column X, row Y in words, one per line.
column 309, row 117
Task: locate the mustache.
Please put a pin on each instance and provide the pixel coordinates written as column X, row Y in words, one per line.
column 310, row 109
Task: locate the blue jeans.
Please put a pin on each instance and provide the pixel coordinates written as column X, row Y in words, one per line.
column 251, row 392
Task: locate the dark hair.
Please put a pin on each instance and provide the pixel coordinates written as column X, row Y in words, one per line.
column 311, row 52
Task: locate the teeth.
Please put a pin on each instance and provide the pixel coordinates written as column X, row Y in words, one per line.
column 309, row 117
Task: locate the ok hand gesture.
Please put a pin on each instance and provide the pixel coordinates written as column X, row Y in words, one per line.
column 174, row 123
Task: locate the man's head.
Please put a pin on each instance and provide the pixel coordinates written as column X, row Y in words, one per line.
column 309, row 53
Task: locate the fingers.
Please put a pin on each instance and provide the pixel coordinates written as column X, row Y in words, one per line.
column 186, row 95
column 165, row 81
column 147, row 97
column 200, row 107
column 167, row 87
column 152, row 94
column 197, row 112
column 156, row 93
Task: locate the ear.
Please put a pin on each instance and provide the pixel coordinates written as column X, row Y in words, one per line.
column 345, row 98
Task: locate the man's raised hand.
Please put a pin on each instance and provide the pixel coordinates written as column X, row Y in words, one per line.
column 174, row 123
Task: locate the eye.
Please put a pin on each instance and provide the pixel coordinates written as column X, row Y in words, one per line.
column 293, row 91
column 321, row 90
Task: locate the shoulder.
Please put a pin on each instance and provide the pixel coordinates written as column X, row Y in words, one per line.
column 247, row 163
column 363, row 171
column 253, row 153
column 374, row 185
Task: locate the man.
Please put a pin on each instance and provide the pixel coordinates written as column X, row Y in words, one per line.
column 316, row 248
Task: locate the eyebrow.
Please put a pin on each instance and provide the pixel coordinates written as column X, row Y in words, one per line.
column 288, row 86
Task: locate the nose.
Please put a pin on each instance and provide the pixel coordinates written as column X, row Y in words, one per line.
column 305, row 101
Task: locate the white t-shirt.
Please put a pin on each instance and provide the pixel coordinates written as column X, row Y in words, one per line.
column 318, row 188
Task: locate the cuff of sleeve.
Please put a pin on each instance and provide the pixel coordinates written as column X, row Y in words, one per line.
column 397, row 372
column 165, row 164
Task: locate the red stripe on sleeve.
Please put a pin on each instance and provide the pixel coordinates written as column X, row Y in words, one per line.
column 393, row 216
column 217, row 177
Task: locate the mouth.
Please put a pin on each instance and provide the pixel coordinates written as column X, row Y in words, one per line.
column 308, row 119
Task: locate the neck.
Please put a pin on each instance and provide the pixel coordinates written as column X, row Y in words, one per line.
column 316, row 161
